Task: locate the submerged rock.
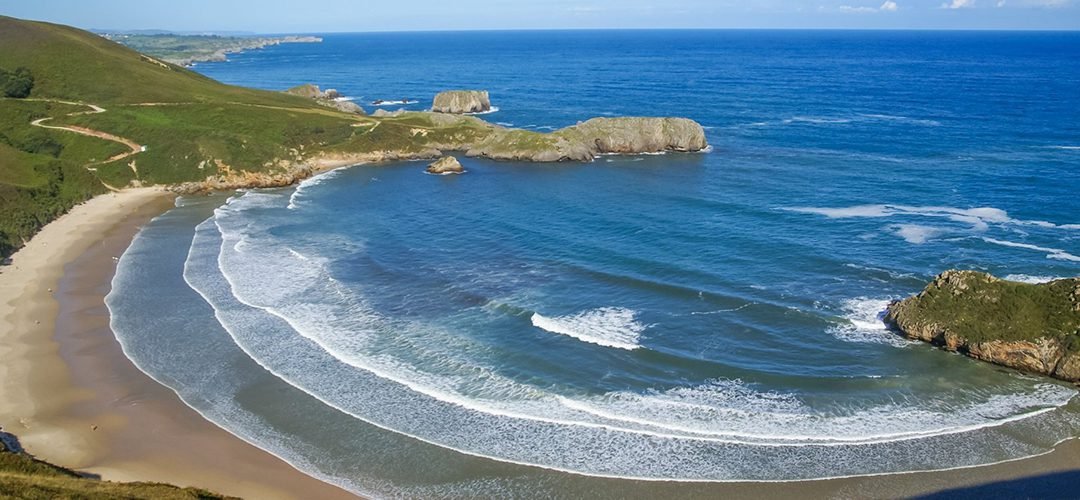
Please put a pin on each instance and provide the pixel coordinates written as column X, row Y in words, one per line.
column 1033, row 328
column 462, row 101
column 446, row 165
column 328, row 98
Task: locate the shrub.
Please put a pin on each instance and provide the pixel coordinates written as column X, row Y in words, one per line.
column 17, row 83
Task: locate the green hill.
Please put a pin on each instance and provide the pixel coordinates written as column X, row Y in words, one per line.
column 75, row 65
column 194, row 126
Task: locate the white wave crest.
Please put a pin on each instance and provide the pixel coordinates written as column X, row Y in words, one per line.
column 979, row 218
column 608, row 326
column 866, row 323
column 1051, row 253
column 494, row 109
column 916, row 234
column 308, row 183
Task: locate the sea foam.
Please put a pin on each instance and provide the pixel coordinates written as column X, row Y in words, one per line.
column 608, row 326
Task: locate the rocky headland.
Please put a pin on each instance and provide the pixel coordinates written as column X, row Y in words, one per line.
column 1030, row 327
column 404, row 135
column 186, row 50
column 329, row 98
column 462, row 102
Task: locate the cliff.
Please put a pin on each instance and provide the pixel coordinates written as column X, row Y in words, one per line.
column 1033, row 328
column 585, row 141
column 462, row 101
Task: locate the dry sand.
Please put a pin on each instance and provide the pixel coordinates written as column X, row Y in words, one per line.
column 73, row 398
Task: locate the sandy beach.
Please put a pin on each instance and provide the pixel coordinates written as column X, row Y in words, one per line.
column 74, row 399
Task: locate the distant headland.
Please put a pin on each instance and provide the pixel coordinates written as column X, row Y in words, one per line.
column 186, row 50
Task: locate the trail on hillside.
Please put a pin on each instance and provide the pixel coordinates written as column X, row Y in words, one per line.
column 134, row 147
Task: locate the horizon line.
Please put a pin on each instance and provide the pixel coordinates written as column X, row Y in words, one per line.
column 242, row 33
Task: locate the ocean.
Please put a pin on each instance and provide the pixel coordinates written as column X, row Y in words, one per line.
column 653, row 324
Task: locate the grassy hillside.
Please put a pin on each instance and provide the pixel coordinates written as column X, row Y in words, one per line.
column 44, row 172
column 21, row 476
column 75, row 65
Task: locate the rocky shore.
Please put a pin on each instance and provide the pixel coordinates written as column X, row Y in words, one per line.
column 1029, row 327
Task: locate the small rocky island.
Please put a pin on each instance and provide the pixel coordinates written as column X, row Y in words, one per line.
column 460, row 102
column 445, row 166
column 1030, row 327
column 598, row 136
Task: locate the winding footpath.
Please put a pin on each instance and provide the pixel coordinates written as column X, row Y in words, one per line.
column 134, row 148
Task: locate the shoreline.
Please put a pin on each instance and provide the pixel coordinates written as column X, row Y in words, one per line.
column 89, row 408
column 74, row 399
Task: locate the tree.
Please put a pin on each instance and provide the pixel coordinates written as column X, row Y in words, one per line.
column 17, row 83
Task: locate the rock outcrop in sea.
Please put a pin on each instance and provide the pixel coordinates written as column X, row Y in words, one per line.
column 329, row 98
column 446, row 165
column 462, row 101
column 1030, row 327
column 585, row 141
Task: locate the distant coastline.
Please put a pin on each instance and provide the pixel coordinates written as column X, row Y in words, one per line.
column 186, row 50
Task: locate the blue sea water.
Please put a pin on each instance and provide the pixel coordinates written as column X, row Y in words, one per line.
column 575, row 329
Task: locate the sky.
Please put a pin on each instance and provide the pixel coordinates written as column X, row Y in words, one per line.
column 324, row 16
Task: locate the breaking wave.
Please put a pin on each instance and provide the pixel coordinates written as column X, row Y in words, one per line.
column 609, row 326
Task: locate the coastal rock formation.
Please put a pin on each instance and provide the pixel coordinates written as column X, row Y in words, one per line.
column 585, row 141
column 329, row 98
column 446, row 165
column 643, row 135
column 462, row 101
column 1033, row 328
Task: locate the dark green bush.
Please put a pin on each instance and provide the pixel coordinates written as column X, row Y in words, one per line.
column 17, row 83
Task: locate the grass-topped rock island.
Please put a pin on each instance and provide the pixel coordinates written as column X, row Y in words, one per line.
column 1030, row 327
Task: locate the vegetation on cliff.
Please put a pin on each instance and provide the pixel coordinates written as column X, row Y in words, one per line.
column 1031, row 327
column 23, row 476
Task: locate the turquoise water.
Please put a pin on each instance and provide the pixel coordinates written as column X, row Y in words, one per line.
column 574, row 329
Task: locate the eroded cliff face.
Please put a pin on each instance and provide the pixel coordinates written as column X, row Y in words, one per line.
column 462, row 101
column 1033, row 328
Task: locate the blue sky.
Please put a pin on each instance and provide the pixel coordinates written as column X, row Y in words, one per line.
column 281, row 16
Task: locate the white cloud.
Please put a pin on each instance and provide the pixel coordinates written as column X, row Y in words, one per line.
column 888, row 6
column 958, row 4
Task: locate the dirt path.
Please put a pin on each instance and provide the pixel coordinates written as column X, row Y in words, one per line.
column 134, row 147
